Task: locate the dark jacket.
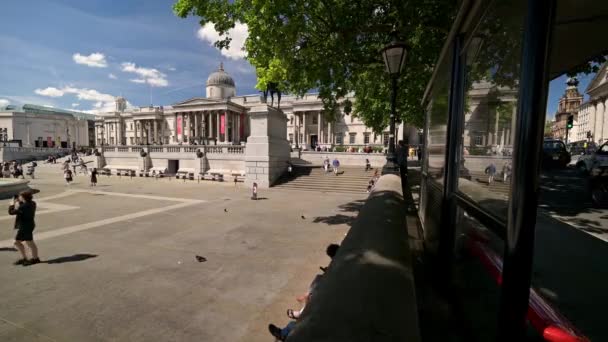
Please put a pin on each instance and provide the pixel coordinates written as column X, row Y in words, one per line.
column 25, row 215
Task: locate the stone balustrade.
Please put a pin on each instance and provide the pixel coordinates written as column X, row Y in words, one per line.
column 215, row 149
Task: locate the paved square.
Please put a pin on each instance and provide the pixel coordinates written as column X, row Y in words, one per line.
column 119, row 260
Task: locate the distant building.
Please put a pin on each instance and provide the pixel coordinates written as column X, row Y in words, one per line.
column 592, row 121
column 569, row 104
column 41, row 126
column 220, row 118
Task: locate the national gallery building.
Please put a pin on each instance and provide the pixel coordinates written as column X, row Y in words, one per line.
column 221, row 118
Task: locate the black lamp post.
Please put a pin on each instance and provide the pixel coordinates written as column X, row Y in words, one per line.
column 394, row 58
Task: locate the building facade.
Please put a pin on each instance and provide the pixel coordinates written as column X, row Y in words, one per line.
column 221, row 118
column 592, row 120
column 40, row 126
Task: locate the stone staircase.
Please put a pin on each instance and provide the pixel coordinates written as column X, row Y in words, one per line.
column 314, row 178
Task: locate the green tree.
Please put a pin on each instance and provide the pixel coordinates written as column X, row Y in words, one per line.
column 333, row 46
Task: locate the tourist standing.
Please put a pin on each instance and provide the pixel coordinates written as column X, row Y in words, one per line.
column 336, row 165
column 254, row 195
column 24, row 208
column 94, row 177
column 506, row 171
column 326, row 164
column 491, row 172
column 419, row 153
column 368, row 166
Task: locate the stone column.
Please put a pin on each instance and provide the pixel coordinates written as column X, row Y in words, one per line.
column 197, row 123
column 141, row 131
column 319, row 129
column 118, row 133
column 135, row 142
column 175, row 137
column 304, row 139
column 238, row 128
column 329, row 137
column 155, row 138
column 217, row 123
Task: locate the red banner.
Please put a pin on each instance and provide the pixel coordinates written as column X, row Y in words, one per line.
column 179, row 124
column 223, row 123
column 49, row 141
column 242, row 127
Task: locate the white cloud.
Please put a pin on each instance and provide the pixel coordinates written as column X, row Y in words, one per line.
column 50, row 92
column 4, row 102
column 238, row 34
column 150, row 76
column 103, row 102
column 94, row 60
column 112, row 76
column 171, row 68
column 75, row 105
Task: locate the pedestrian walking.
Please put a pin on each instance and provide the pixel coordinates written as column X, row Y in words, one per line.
column 419, row 153
column 94, row 177
column 491, row 172
column 506, row 171
column 326, row 164
column 24, row 208
column 254, row 195
column 67, row 175
column 336, row 165
column 235, row 181
column 368, row 165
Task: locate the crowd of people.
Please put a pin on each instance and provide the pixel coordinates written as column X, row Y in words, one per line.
column 294, row 315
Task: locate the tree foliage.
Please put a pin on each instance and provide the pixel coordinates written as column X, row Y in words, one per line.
column 333, row 46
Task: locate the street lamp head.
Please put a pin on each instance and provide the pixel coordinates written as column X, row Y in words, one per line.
column 394, row 55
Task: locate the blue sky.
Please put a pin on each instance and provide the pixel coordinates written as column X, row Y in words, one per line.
column 79, row 54
column 145, row 47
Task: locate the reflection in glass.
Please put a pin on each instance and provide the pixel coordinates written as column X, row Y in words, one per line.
column 492, row 71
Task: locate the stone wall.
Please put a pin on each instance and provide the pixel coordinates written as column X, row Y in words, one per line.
column 26, row 153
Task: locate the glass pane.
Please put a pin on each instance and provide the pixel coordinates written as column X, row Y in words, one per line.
column 492, row 71
column 437, row 122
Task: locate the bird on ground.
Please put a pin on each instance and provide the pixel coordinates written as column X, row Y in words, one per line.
column 200, row 258
column 303, row 218
column 225, row 210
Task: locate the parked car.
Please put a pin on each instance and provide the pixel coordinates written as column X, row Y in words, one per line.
column 599, row 158
column 555, row 153
column 581, row 148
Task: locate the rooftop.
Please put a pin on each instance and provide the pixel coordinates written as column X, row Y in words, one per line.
column 36, row 109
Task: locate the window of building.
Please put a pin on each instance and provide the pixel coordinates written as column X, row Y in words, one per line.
column 132, row 140
column 315, row 120
column 291, row 137
column 351, row 138
column 366, row 138
column 291, row 120
column 385, row 138
column 131, row 126
column 339, row 140
column 478, row 140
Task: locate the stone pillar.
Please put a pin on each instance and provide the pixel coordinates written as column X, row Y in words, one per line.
column 141, row 131
column 319, row 129
column 267, row 151
column 237, row 130
column 135, row 142
column 162, row 130
column 329, row 135
column 217, row 124
column 304, row 140
column 155, row 138
column 175, row 137
column 197, row 123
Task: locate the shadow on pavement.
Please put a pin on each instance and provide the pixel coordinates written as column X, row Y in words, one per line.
column 337, row 219
column 72, row 258
column 8, row 249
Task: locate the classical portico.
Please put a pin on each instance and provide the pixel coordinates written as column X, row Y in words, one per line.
column 210, row 122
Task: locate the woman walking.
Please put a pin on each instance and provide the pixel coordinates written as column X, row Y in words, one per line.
column 25, row 209
column 94, row 177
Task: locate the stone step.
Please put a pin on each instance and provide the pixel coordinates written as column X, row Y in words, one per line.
column 317, row 189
